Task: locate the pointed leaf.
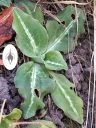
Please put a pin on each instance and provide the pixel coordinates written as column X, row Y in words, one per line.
column 66, row 99
column 5, row 2
column 42, row 124
column 52, row 46
column 70, row 13
column 54, row 61
column 31, row 8
column 7, row 121
column 32, row 38
column 33, row 83
column 54, row 28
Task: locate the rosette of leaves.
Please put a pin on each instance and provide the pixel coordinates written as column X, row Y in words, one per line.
column 8, row 121
column 37, row 78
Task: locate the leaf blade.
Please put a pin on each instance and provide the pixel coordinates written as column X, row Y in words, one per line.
column 32, row 9
column 68, row 43
column 34, row 77
column 32, row 38
column 57, row 41
column 71, row 104
column 54, row 61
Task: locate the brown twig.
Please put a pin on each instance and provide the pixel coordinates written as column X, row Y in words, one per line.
column 67, row 2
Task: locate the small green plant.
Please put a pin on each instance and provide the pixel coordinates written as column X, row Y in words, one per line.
column 11, row 121
column 8, row 121
column 37, row 77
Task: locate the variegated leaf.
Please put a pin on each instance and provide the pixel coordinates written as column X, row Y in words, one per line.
column 31, row 36
column 55, row 61
column 33, row 82
column 66, row 99
column 31, row 8
column 54, row 28
column 71, row 13
column 57, row 41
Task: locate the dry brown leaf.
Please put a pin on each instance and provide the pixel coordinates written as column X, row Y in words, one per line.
column 6, row 25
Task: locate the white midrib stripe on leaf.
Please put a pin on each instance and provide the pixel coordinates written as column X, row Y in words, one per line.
column 32, row 42
column 57, row 41
column 33, row 84
column 68, row 99
column 54, row 63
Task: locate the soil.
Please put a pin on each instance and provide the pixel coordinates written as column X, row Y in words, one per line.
column 79, row 62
